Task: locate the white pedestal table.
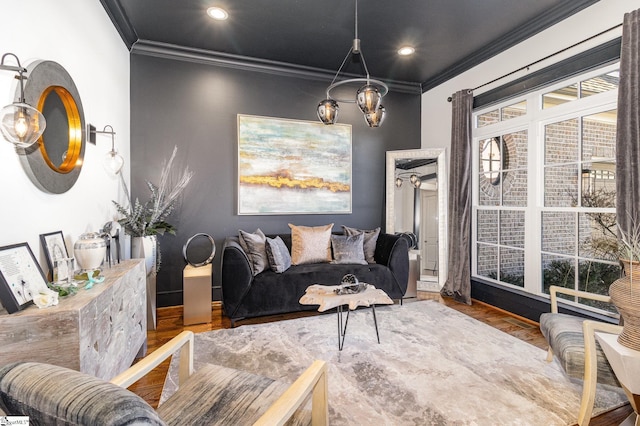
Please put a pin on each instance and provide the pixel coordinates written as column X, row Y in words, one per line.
column 625, row 363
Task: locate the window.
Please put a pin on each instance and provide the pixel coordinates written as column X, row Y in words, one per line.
column 544, row 187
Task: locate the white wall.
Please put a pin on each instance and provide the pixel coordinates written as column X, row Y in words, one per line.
column 436, row 111
column 79, row 36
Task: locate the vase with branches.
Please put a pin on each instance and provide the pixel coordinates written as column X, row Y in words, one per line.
column 145, row 219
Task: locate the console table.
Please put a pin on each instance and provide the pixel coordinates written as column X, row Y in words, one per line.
column 97, row 331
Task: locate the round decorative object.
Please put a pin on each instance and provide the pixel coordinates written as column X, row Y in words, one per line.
column 193, row 257
column 350, row 285
column 90, row 250
column 625, row 295
column 349, row 279
column 53, row 163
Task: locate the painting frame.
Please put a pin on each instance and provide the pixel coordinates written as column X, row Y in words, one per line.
column 288, row 166
column 20, row 277
column 50, row 242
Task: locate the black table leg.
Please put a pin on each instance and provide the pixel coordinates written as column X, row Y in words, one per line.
column 375, row 321
column 342, row 331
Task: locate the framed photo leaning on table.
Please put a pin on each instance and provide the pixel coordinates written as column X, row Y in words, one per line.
column 20, row 277
column 54, row 248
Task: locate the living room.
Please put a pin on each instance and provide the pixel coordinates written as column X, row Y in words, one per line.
column 154, row 100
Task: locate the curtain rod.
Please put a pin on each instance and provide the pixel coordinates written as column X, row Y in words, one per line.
column 526, row 67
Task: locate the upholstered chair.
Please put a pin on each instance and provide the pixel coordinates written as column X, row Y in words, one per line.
column 572, row 340
column 213, row 395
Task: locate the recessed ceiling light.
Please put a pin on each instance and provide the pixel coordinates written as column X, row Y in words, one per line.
column 406, row 51
column 217, row 13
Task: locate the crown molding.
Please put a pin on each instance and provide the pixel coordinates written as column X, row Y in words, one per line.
column 120, row 21
column 203, row 56
column 531, row 28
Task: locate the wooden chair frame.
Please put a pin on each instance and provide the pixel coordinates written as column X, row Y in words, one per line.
column 589, row 327
column 312, row 382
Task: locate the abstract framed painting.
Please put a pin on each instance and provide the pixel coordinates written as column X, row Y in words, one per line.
column 293, row 167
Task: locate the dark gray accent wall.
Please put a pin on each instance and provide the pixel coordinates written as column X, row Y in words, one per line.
column 194, row 105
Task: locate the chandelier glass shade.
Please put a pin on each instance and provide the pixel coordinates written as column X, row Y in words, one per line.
column 414, row 179
column 376, row 118
column 368, row 96
column 20, row 123
column 328, row 111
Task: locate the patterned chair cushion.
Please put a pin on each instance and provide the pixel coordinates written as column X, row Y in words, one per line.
column 53, row 395
column 566, row 339
column 216, row 395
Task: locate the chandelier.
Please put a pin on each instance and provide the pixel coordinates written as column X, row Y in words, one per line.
column 367, row 97
column 415, row 180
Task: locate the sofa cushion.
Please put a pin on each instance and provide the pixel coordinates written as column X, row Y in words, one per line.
column 370, row 240
column 52, row 395
column 254, row 246
column 278, row 254
column 348, row 249
column 310, row 244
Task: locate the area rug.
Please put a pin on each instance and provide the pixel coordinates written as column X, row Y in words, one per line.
column 433, row 366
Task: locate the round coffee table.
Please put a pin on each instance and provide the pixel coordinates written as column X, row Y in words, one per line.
column 326, row 297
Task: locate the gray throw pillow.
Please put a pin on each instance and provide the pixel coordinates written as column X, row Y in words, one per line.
column 278, row 254
column 254, row 246
column 348, row 249
column 370, row 240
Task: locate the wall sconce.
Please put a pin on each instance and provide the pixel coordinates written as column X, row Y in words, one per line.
column 20, row 123
column 112, row 161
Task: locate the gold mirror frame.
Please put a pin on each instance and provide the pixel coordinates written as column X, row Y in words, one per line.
column 46, row 78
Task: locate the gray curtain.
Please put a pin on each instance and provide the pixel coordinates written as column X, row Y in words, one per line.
column 628, row 127
column 458, row 284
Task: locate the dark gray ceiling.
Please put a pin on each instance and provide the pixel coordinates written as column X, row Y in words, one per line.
column 450, row 36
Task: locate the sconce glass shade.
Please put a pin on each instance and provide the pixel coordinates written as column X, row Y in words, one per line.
column 113, row 162
column 375, row 119
column 328, row 111
column 368, row 98
column 21, row 124
column 413, row 178
column 398, row 182
column 417, row 183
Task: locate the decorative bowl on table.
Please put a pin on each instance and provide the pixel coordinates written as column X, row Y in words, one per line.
column 350, row 285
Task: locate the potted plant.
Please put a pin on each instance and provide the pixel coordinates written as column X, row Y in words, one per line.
column 144, row 221
column 625, row 292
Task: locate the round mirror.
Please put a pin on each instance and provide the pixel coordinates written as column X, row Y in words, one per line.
column 54, row 163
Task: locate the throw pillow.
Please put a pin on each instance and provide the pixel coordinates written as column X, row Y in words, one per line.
column 310, row 244
column 348, row 249
column 278, row 254
column 370, row 240
column 254, row 246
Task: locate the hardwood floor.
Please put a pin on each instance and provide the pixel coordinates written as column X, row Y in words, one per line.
column 170, row 324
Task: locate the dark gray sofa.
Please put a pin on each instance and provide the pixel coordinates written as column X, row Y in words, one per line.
column 269, row 293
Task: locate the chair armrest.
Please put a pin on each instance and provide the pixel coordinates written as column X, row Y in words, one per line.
column 589, row 327
column 313, row 381
column 182, row 342
column 553, row 290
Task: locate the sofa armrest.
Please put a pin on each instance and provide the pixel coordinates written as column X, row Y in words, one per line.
column 236, row 275
column 393, row 252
